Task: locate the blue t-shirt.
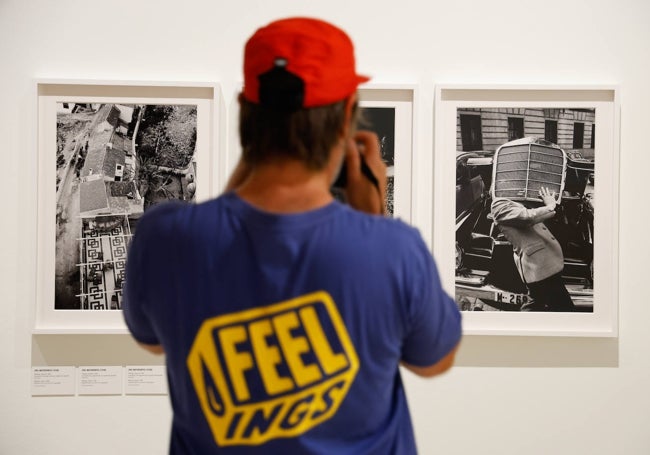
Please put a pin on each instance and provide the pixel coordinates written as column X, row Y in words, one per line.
column 283, row 333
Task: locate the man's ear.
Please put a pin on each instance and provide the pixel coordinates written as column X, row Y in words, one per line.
column 350, row 108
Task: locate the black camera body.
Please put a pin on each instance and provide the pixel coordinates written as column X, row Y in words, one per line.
column 341, row 181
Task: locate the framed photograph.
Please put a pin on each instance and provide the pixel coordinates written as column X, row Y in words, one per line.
column 108, row 152
column 528, row 246
column 388, row 111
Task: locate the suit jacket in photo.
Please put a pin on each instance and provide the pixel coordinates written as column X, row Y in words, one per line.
column 538, row 255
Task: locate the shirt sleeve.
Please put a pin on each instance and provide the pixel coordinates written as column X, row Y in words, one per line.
column 434, row 319
column 511, row 213
column 140, row 268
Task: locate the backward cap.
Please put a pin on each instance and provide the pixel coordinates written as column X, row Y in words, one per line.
column 317, row 53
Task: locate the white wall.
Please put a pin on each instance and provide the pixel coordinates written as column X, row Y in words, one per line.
column 509, row 395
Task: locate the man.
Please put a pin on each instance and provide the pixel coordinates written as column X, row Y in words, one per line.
column 538, row 255
column 285, row 315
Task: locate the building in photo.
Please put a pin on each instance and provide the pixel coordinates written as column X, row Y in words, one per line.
column 487, row 129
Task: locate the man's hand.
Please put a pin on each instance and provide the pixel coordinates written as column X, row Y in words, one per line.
column 548, row 197
column 437, row 368
column 361, row 193
column 153, row 348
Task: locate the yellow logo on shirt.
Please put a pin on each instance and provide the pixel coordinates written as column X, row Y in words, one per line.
column 272, row 372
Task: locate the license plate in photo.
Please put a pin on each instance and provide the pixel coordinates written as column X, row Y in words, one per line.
column 511, row 298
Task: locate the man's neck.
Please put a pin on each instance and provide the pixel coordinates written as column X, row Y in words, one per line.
column 286, row 187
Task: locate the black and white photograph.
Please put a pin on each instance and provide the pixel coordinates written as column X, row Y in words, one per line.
column 524, row 208
column 529, row 244
column 109, row 151
column 388, row 112
column 381, row 120
column 113, row 162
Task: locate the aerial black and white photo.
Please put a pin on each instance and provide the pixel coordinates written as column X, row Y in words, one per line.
column 525, row 192
column 113, row 162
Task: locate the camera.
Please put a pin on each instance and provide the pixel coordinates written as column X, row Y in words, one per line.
column 342, row 179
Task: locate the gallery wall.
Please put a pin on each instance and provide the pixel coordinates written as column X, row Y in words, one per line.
column 508, row 395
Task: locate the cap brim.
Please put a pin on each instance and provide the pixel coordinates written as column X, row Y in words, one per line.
column 361, row 79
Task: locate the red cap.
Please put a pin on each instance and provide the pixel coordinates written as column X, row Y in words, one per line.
column 317, row 56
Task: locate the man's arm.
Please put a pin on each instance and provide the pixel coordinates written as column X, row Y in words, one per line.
column 437, row 368
column 505, row 211
column 433, row 321
column 141, row 274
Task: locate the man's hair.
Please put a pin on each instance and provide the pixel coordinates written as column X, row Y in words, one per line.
column 307, row 134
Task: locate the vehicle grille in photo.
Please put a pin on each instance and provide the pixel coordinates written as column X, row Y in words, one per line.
column 520, row 170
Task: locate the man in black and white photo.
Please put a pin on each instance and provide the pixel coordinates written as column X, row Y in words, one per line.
column 537, row 253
